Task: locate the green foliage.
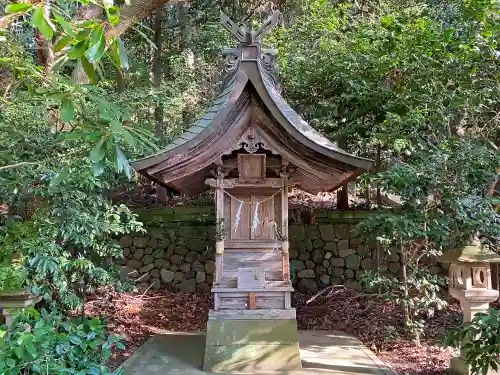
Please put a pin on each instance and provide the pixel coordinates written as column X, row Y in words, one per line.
column 67, row 151
column 442, row 208
column 84, row 41
column 394, row 76
column 479, row 340
column 12, row 279
column 391, row 334
column 418, row 294
column 47, row 343
column 442, row 195
column 412, row 84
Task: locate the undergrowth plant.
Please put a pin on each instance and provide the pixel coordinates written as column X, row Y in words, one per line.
column 418, row 294
column 479, row 340
column 47, row 343
column 443, row 204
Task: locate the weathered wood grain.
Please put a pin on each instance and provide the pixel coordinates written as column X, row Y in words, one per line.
column 219, row 267
column 252, row 304
column 268, row 314
column 250, row 278
column 270, row 262
column 263, row 300
column 288, row 300
column 216, row 301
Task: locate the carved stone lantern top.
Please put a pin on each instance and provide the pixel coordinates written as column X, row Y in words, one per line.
column 470, row 254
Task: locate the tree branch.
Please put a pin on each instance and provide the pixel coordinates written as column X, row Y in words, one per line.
column 129, row 14
column 136, row 11
column 23, row 163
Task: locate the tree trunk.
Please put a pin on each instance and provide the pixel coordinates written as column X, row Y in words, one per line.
column 343, row 198
column 136, row 11
column 378, row 163
column 157, row 71
column 181, row 16
column 161, row 192
column 120, row 80
column 44, row 50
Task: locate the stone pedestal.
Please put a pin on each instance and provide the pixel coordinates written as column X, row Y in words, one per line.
column 252, row 341
column 470, row 283
column 8, row 303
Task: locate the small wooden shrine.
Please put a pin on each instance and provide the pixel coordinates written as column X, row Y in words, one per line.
column 250, row 147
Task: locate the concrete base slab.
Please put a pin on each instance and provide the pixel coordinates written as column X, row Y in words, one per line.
column 251, row 345
column 321, row 352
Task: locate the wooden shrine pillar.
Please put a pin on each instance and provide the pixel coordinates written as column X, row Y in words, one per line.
column 221, row 227
column 285, row 244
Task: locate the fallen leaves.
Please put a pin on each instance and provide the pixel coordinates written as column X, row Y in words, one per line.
column 378, row 324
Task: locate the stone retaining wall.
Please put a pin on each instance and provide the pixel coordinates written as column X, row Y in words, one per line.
column 177, row 251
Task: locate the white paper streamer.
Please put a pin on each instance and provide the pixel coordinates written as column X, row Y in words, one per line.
column 255, row 223
column 238, row 217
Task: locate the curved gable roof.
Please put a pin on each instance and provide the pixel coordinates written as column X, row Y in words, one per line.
column 184, row 163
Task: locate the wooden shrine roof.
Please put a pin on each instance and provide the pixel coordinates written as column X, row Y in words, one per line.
column 250, row 98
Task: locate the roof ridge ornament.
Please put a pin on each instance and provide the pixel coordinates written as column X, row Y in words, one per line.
column 247, row 36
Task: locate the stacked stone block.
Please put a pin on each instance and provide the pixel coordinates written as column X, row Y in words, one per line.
column 330, row 254
column 179, row 255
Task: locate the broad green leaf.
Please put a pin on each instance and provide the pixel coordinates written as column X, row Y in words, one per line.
column 66, row 326
column 15, row 8
column 68, row 110
column 122, row 163
column 97, row 45
column 98, row 168
column 120, row 345
column 66, row 26
column 94, row 136
column 98, row 152
column 129, row 138
column 61, row 43
column 59, row 177
column 30, row 348
column 83, row 35
column 20, row 351
column 74, row 339
column 78, row 50
column 104, row 113
column 73, row 135
column 89, row 24
column 10, row 362
column 122, row 53
column 116, row 127
column 38, row 20
column 89, row 70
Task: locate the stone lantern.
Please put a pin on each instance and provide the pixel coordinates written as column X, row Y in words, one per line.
column 470, row 283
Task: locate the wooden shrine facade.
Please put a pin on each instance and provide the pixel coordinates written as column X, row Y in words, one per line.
column 250, row 147
column 252, row 265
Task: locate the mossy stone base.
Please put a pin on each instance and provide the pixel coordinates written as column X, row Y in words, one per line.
column 252, row 345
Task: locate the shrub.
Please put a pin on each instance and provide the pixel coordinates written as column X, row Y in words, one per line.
column 48, row 343
column 479, row 341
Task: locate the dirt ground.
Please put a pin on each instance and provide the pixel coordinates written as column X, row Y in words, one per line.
column 378, row 324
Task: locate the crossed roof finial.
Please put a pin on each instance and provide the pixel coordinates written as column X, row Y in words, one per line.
column 247, row 36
